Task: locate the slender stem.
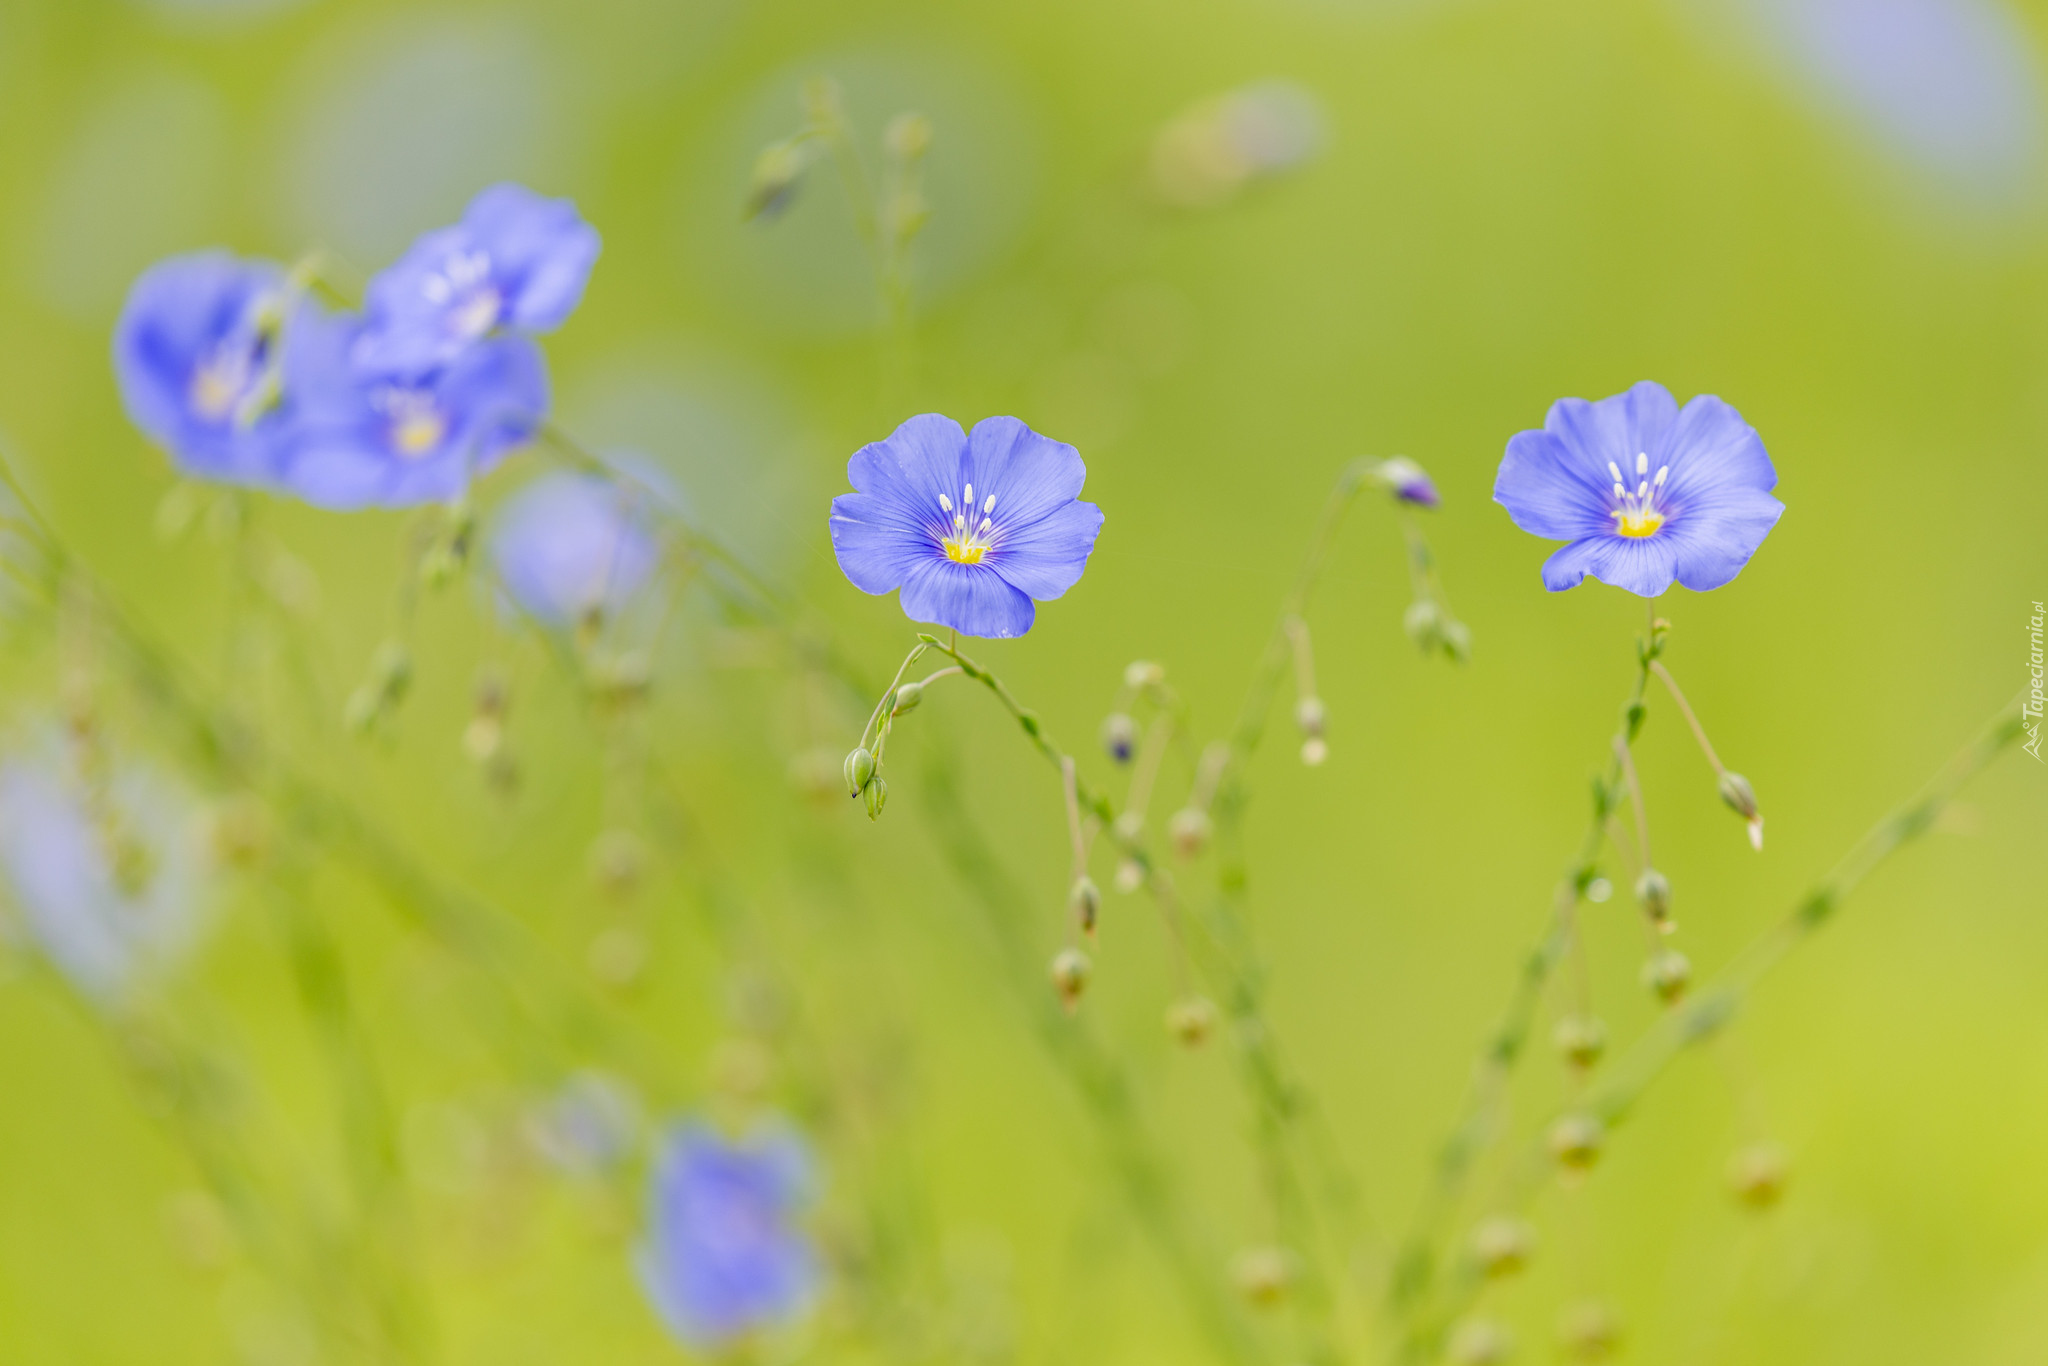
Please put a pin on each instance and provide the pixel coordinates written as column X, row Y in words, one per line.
column 1699, row 732
column 1635, row 797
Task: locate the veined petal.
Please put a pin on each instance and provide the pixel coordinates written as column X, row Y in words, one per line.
column 1546, row 490
column 1713, row 452
column 1617, row 428
column 911, row 467
column 1710, row 547
column 1643, row 567
column 877, row 548
column 1046, row 558
column 1030, row 475
column 970, row 598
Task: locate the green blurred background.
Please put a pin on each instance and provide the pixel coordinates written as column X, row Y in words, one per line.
column 1513, row 201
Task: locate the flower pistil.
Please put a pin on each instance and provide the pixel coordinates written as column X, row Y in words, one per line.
column 965, row 540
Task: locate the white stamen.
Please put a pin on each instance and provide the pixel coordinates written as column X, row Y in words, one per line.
column 945, row 503
column 982, row 530
column 1620, row 492
column 1643, row 489
column 1660, row 475
column 970, row 495
column 1614, row 470
column 1642, row 464
column 989, row 505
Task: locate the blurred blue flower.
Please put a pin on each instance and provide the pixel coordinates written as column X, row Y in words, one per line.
column 109, row 889
column 724, row 1254
column 589, row 1125
column 1645, row 492
column 1950, row 86
column 359, row 439
column 1407, row 481
column 570, row 546
column 971, row 526
column 197, row 353
column 516, row 261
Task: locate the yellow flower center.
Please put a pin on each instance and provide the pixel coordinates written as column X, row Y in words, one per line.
column 967, row 533
column 1637, row 513
column 417, row 427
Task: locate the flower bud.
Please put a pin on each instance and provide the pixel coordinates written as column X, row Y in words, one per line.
column 1119, row 736
column 1588, row 1331
column 1130, row 876
column 1653, row 890
column 1085, row 900
column 1314, row 751
column 1070, row 972
column 1501, row 1246
column 778, row 171
column 1740, row 796
column 908, row 137
column 1424, row 623
column 1581, row 1039
column 1128, row 825
column 1190, row 830
column 1479, row 1342
column 1191, row 1021
column 1405, row 479
column 908, row 695
column 877, row 792
column 1668, row 973
column 1263, row 1275
column 858, row 769
column 1575, row 1141
column 1310, row 714
column 1757, row 1174
column 1143, row 673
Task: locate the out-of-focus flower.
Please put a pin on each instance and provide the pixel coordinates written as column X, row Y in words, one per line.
column 197, row 355
column 359, row 439
column 724, row 1255
column 110, row 888
column 572, row 546
column 1951, row 87
column 589, row 1125
column 516, row 261
column 973, row 527
column 1408, row 482
column 1646, row 493
column 1212, row 150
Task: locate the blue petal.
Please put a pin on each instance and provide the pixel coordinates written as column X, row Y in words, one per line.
column 569, row 544
column 541, row 247
column 910, row 468
column 1712, row 453
column 1030, row 475
column 1046, row 558
column 1547, row 492
column 1710, row 546
column 971, row 598
column 876, row 547
column 1642, row 566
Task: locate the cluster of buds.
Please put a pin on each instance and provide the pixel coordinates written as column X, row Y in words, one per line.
column 379, row 696
column 862, row 780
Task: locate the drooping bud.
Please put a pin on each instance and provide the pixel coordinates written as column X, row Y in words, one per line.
column 1581, row 1039
column 908, row 695
column 778, row 171
column 1310, row 715
column 1589, row 1331
column 1191, row 1021
column 1757, row 1174
column 1503, row 1245
column 1667, row 973
column 1576, row 1140
column 1653, row 890
column 1405, row 479
column 1424, row 623
column 1479, row 1342
column 877, row 793
column 1070, row 972
column 1741, row 799
column 858, row 769
column 1119, row 736
column 1190, row 829
column 1130, row 876
column 1085, row 900
column 1263, row 1275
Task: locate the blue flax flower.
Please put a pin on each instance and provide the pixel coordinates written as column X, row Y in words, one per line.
column 517, row 261
column 571, row 546
column 724, row 1255
column 109, row 888
column 1645, row 492
column 360, row 439
column 196, row 355
column 972, row 526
